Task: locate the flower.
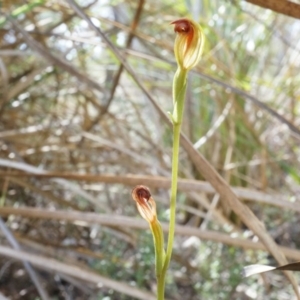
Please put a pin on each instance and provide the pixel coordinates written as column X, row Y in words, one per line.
column 189, row 43
column 145, row 203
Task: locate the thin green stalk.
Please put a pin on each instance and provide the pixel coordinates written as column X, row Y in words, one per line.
column 179, row 89
column 176, row 138
column 161, row 288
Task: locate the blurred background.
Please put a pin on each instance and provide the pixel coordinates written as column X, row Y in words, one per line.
column 78, row 132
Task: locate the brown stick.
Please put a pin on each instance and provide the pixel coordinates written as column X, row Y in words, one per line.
column 287, row 8
column 122, row 221
column 184, row 185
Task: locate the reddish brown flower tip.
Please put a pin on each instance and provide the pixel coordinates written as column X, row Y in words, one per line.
column 144, row 202
column 182, row 26
column 142, row 192
column 188, row 44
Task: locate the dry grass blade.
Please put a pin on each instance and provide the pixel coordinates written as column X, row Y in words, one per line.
column 33, row 275
column 257, row 269
column 127, row 222
column 75, row 188
column 74, row 271
column 184, row 185
column 288, row 8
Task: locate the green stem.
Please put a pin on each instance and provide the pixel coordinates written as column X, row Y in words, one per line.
column 158, row 238
column 179, row 89
column 176, row 139
column 161, row 288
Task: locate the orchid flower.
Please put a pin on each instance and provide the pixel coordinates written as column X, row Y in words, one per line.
column 145, row 203
column 189, row 43
column 147, row 209
column 188, row 49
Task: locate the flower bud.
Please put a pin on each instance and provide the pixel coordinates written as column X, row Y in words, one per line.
column 145, row 203
column 189, row 43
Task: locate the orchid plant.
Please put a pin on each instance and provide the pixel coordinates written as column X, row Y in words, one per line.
column 188, row 49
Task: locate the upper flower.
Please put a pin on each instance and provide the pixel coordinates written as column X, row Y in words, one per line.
column 188, row 44
column 145, row 203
